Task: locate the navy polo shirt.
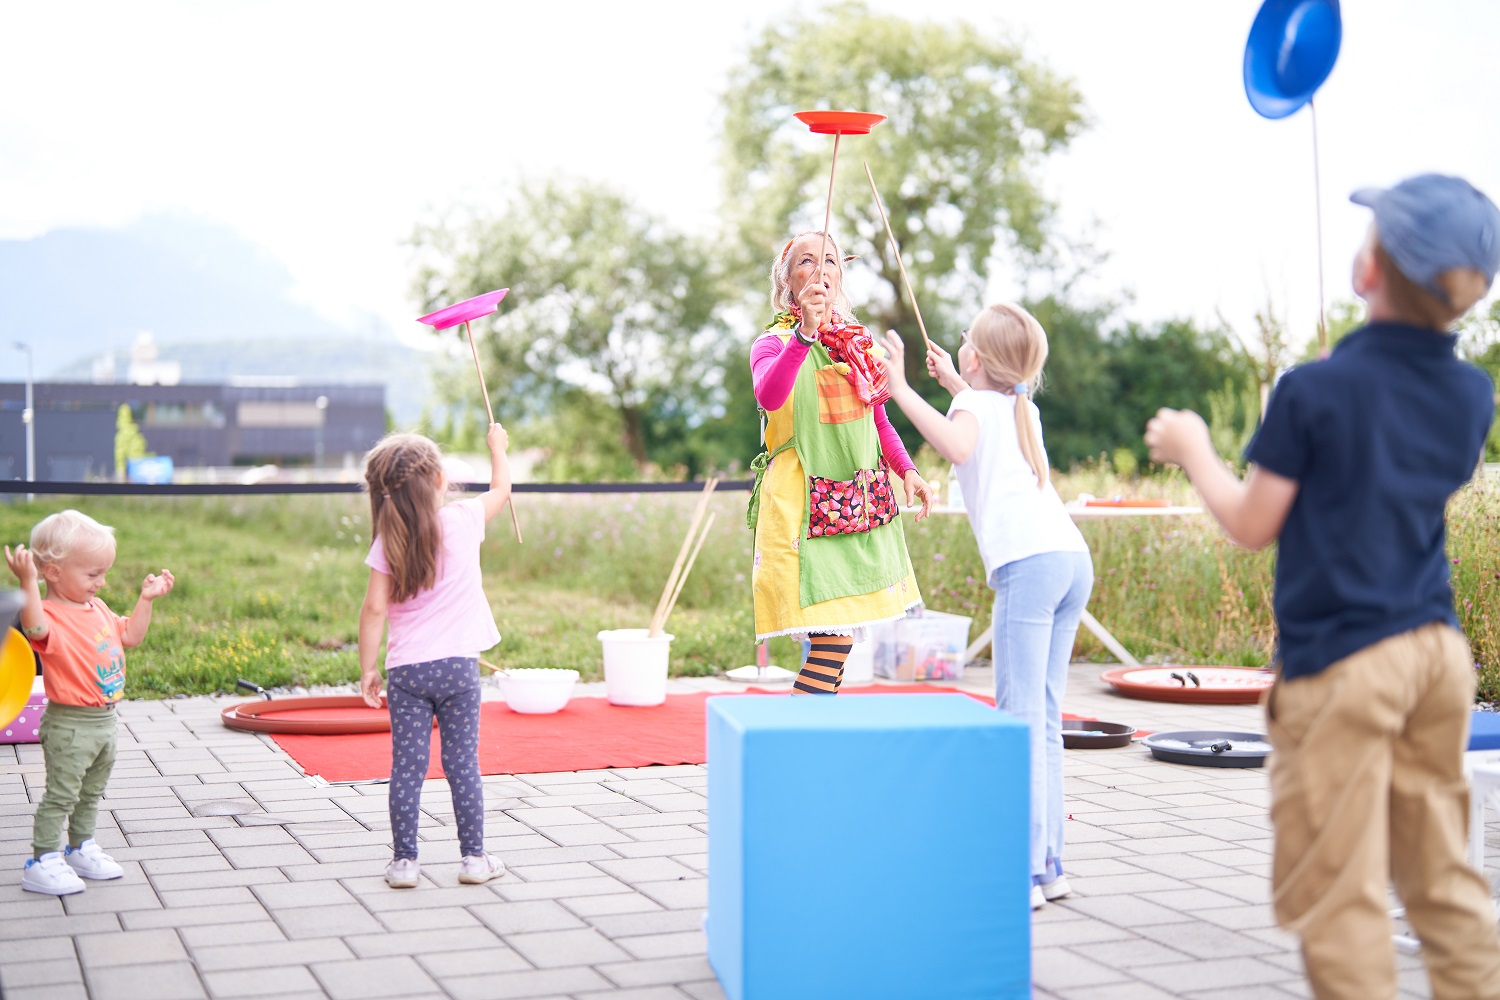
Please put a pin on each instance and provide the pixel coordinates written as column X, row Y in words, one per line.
column 1378, row 436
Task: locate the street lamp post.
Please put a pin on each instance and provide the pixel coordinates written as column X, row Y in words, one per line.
column 28, row 417
column 322, row 404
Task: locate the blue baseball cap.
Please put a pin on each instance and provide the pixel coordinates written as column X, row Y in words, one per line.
column 1432, row 223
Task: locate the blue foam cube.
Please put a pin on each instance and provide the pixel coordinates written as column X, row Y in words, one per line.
column 868, row 846
column 1484, row 731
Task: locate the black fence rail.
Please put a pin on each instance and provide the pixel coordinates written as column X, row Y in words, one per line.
column 16, row 486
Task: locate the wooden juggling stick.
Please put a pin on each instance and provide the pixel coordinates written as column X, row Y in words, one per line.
column 896, row 249
column 677, row 592
column 516, row 524
column 828, row 209
column 658, row 617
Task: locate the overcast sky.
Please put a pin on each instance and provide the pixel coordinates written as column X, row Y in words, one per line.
column 324, row 131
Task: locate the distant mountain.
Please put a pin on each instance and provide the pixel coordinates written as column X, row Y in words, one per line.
column 213, row 300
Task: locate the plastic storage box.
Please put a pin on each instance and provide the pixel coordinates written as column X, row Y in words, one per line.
column 923, row 646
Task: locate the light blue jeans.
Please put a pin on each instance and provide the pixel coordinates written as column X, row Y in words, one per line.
column 1038, row 603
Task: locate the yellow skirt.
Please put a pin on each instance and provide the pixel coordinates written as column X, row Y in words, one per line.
column 776, row 579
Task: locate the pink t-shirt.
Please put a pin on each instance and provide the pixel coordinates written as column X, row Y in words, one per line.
column 454, row 617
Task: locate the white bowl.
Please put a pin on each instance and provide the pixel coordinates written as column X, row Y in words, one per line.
column 537, row 690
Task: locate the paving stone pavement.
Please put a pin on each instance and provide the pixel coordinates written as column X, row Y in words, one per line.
column 245, row 879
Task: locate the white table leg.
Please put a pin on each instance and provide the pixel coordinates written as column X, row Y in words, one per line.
column 1089, row 622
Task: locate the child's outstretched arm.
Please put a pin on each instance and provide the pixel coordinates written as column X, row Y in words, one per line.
column 1252, row 511
column 372, row 615
column 154, row 586
column 33, row 621
column 499, row 491
column 953, row 438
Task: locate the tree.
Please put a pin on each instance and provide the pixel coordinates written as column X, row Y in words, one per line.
column 970, row 124
column 129, row 441
column 606, row 307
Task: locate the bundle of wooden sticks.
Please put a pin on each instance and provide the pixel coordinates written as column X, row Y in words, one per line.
column 697, row 534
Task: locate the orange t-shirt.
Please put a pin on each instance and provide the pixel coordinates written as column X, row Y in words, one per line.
column 83, row 660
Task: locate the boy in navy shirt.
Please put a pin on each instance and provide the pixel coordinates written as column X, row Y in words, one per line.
column 1350, row 472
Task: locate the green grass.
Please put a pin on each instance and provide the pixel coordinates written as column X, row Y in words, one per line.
column 268, row 588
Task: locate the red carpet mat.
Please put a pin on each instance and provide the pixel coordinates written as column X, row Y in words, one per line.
column 589, row 733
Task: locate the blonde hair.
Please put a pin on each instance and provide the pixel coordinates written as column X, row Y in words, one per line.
column 1463, row 287
column 403, row 474
column 1012, row 348
column 59, row 535
column 781, row 278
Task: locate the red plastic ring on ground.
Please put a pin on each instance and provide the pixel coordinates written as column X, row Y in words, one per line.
column 338, row 715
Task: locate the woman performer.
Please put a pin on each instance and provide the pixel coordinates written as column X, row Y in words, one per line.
column 830, row 555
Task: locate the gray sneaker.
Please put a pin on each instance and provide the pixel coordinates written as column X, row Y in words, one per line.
column 476, row 868
column 402, row 873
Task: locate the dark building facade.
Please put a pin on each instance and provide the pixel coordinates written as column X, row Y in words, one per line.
column 270, row 423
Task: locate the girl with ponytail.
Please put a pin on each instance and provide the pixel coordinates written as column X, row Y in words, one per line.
column 424, row 581
column 1034, row 556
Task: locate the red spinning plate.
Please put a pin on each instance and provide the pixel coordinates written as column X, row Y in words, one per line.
column 335, row 715
column 462, row 312
column 1220, row 685
column 840, row 122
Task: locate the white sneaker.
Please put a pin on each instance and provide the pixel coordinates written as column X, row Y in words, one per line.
column 476, row 868
column 1058, row 888
column 1038, row 899
column 402, row 873
column 51, row 875
column 90, row 861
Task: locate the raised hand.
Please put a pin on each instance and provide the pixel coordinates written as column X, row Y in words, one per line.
column 940, row 366
column 813, row 300
column 21, row 564
column 497, row 438
column 157, row 585
column 1177, row 436
column 895, row 362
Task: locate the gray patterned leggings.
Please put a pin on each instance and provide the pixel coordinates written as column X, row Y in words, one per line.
column 448, row 689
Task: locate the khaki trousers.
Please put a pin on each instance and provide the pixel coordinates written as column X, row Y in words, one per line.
column 1367, row 787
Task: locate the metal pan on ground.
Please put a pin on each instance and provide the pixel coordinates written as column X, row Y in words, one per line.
column 1209, row 748
column 1078, row 734
column 337, row 715
column 1199, row 685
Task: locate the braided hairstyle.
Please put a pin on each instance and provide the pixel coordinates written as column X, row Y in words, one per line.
column 403, row 474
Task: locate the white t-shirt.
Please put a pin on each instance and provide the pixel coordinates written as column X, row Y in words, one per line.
column 1011, row 518
column 454, row 617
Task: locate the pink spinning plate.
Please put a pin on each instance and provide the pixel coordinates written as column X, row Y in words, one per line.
column 840, row 122
column 462, row 312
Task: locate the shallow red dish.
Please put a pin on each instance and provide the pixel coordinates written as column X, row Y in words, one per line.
column 336, row 715
column 462, row 312
column 1215, row 685
column 840, row 122
column 1127, row 502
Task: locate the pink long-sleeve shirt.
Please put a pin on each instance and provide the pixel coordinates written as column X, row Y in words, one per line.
column 773, row 370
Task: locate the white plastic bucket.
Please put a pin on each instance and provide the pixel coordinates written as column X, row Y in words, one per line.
column 635, row 666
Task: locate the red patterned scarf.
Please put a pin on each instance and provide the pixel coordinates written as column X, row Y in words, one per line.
column 851, row 345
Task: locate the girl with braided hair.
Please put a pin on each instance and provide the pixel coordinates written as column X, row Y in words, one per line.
column 424, row 581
